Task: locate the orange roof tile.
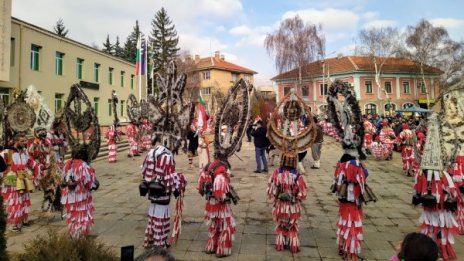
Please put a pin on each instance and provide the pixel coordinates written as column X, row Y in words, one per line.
column 217, row 63
column 347, row 64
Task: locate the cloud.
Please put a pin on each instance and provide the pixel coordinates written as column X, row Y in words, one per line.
column 369, row 16
column 219, row 29
column 448, row 22
column 379, row 24
column 331, row 19
column 204, row 46
column 250, row 36
column 241, row 30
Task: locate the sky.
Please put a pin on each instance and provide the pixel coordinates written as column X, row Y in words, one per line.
column 237, row 28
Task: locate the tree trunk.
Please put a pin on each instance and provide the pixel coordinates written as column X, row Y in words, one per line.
column 425, row 85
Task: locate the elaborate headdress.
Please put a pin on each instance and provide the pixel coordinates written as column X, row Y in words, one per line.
column 81, row 123
column 44, row 117
column 289, row 111
column 345, row 115
column 114, row 102
column 170, row 114
column 133, row 109
column 235, row 115
column 19, row 118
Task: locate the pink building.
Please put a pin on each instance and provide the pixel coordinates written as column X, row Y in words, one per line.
column 400, row 78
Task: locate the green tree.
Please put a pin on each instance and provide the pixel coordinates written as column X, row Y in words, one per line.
column 130, row 46
column 163, row 41
column 107, row 46
column 118, row 51
column 60, row 29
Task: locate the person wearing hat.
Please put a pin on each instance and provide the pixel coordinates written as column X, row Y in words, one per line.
column 261, row 143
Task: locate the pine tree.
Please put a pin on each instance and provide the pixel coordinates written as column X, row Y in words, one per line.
column 117, row 49
column 60, row 29
column 107, row 46
column 130, row 46
column 163, row 41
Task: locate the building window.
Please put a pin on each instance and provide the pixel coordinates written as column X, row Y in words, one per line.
column 368, row 86
column 389, row 107
column 421, row 85
column 406, row 88
column 370, row 108
column 206, row 75
column 96, row 72
column 79, row 66
column 122, row 108
column 12, row 51
column 5, row 96
column 247, row 78
column 110, row 75
column 59, row 63
column 58, row 102
column 110, row 107
column 388, row 87
column 206, row 91
column 132, row 81
column 287, row 90
column 96, row 101
column 122, row 78
column 234, row 77
column 305, row 91
column 323, row 89
column 407, row 105
column 35, row 54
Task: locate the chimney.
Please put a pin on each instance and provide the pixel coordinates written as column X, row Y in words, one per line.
column 217, row 54
column 197, row 58
column 339, row 55
column 222, row 57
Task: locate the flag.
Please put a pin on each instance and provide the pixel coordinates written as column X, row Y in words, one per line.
column 140, row 57
column 202, row 122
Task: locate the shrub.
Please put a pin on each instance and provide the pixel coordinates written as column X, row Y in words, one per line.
column 60, row 247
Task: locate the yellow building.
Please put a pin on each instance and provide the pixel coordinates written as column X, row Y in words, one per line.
column 216, row 74
column 52, row 64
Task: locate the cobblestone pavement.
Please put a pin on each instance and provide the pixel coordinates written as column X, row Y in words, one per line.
column 121, row 213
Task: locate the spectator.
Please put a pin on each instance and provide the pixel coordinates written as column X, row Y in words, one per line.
column 417, row 247
column 261, row 143
column 317, row 146
column 156, row 254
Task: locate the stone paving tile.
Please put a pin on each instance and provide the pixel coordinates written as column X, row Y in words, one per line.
column 121, row 214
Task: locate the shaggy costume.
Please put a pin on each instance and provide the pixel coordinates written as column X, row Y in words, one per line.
column 77, row 197
column 287, row 188
column 58, row 145
column 214, row 184
column 111, row 136
column 369, row 130
column 17, row 184
column 132, row 134
column 387, row 138
column 159, row 167
column 408, row 152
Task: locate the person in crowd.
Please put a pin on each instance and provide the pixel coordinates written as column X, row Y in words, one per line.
column 387, row 137
column 79, row 182
column 316, row 148
column 417, row 247
column 192, row 137
column 156, row 254
column 58, row 142
column 132, row 131
column 261, row 143
column 203, row 150
column 406, row 141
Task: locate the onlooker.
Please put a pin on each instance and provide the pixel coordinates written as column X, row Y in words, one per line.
column 192, row 137
column 417, row 247
column 261, row 143
column 248, row 131
column 317, row 146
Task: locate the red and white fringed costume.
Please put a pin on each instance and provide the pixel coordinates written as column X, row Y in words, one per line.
column 146, row 140
column 457, row 172
column 387, row 137
column 77, row 197
column 132, row 133
column 17, row 202
column 287, row 188
column 159, row 166
column 369, row 130
column 39, row 151
column 408, row 155
column 214, row 184
column 111, row 136
column 349, row 182
column 377, row 150
column 438, row 222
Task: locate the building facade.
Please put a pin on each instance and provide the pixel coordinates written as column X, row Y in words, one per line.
column 401, row 83
column 218, row 75
column 52, row 64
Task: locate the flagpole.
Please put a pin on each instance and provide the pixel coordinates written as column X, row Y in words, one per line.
column 139, row 60
column 145, row 69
